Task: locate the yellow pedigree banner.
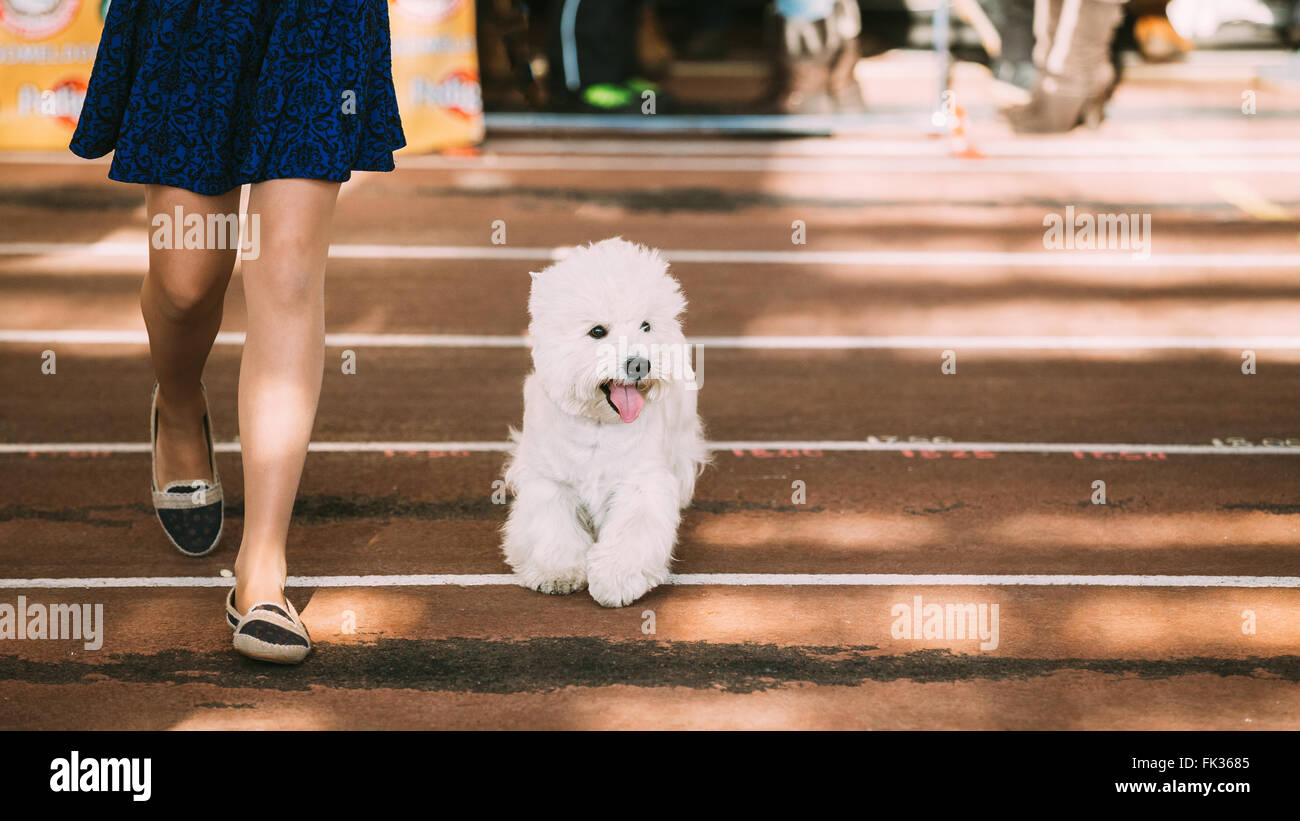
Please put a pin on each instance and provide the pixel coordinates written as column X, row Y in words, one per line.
column 435, row 71
column 47, row 48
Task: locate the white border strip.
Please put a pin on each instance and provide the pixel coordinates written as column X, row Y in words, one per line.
column 819, row 147
column 339, row 340
column 233, row 447
column 828, row 343
column 946, row 165
column 1012, row 259
column 837, row 445
column 690, row 579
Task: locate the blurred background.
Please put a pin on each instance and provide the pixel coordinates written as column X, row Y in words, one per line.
column 803, row 56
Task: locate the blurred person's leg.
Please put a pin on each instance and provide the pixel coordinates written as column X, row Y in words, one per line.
column 1013, row 70
column 816, row 50
column 654, row 53
column 505, row 54
column 846, row 22
column 1078, row 75
column 593, row 54
column 1045, row 14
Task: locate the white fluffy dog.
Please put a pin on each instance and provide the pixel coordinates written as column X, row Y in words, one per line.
column 611, row 442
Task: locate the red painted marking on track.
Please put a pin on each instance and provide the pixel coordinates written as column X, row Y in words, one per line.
column 949, row 454
column 1123, row 456
column 70, row 454
column 763, row 453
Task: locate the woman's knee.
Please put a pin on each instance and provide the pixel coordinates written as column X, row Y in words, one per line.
column 186, row 295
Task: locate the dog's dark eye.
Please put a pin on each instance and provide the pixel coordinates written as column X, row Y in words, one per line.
column 645, row 326
column 597, row 332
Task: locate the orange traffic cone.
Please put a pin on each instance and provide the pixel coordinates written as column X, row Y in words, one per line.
column 959, row 144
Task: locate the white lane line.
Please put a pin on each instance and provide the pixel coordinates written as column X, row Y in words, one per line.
column 856, row 446
column 820, row 147
column 946, row 165
column 1049, row 343
column 689, row 579
column 233, row 447
column 836, row 445
column 959, row 580
column 955, row 259
column 133, row 250
column 339, row 340
column 819, row 343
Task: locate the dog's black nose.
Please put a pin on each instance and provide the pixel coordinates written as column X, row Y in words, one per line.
column 638, row 368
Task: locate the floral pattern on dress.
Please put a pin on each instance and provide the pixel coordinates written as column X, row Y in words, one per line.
column 208, row 95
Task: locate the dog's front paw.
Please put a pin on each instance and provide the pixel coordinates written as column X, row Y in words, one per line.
column 555, row 581
column 614, row 586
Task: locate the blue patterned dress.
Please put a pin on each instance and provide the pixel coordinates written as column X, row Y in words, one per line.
column 208, row 95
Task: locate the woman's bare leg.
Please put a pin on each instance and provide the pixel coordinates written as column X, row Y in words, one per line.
column 280, row 374
column 181, row 300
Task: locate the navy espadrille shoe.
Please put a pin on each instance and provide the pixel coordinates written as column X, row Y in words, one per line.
column 269, row 632
column 191, row 511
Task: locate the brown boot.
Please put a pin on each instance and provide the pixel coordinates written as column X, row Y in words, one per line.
column 1078, row 76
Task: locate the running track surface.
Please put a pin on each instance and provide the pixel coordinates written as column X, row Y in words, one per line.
column 1174, row 605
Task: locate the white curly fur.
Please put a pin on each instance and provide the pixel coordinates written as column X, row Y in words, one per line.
column 597, row 500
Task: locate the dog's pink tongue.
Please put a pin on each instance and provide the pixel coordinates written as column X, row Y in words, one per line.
column 628, row 400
